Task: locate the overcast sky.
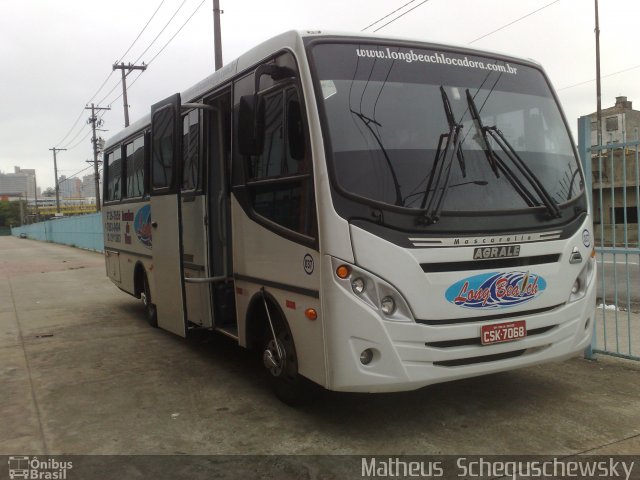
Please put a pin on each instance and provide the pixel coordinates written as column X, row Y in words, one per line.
column 56, row 55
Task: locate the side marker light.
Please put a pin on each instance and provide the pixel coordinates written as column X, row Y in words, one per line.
column 343, row 271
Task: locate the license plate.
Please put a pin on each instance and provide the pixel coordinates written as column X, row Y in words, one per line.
column 503, row 332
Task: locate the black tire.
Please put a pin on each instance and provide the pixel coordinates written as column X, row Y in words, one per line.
column 150, row 309
column 290, row 387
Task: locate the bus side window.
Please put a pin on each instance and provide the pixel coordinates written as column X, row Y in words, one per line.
column 162, row 151
column 190, row 150
column 295, row 127
column 135, row 168
column 288, row 200
column 114, row 175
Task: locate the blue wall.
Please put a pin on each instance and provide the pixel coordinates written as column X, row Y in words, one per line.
column 83, row 231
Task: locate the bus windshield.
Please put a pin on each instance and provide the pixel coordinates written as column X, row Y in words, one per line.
column 413, row 127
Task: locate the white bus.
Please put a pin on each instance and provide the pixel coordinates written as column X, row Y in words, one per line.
column 374, row 214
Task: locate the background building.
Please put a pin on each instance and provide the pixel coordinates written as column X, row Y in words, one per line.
column 88, row 186
column 615, row 173
column 70, row 187
column 20, row 182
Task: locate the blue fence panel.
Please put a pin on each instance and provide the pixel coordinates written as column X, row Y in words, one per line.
column 82, row 231
column 613, row 182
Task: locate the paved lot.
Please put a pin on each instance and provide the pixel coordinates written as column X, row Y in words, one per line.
column 81, row 372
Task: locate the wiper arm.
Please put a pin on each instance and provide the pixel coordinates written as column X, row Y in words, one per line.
column 527, row 173
column 432, row 204
column 475, row 116
column 367, row 122
column 498, row 165
column 451, row 120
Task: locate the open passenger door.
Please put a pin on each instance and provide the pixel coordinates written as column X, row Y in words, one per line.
column 166, row 154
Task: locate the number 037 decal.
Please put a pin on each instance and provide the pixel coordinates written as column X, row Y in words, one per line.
column 308, row 264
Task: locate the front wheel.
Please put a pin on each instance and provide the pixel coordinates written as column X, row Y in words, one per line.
column 150, row 309
column 280, row 360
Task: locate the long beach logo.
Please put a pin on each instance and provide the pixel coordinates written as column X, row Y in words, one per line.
column 142, row 225
column 496, row 290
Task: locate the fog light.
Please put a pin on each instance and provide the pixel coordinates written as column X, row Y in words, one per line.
column 357, row 285
column 388, row 305
column 366, row 356
column 576, row 286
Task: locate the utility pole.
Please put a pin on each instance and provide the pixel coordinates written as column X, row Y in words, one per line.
column 217, row 35
column 598, row 91
column 35, row 185
column 22, row 207
column 124, row 67
column 55, row 169
column 96, row 174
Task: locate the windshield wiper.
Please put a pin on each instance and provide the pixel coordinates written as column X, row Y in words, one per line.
column 367, row 122
column 441, row 169
column 497, row 164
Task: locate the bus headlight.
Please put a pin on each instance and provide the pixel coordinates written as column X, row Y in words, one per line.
column 357, row 285
column 576, row 286
column 380, row 295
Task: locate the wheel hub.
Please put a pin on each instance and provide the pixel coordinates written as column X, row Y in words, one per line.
column 272, row 360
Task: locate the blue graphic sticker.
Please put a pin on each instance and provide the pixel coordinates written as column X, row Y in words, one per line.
column 496, row 290
column 142, row 225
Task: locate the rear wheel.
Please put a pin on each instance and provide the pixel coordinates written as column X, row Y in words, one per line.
column 150, row 309
column 280, row 360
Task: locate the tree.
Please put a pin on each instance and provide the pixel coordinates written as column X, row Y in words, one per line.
column 9, row 213
column 49, row 192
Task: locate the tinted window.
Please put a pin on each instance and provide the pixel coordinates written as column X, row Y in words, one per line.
column 114, row 175
column 284, row 194
column 190, row 147
column 135, row 167
column 387, row 120
column 162, row 155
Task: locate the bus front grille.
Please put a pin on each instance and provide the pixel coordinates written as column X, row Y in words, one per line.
column 460, row 362
column 452, row 321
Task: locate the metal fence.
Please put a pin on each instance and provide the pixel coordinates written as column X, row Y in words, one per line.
column 82, row 231
column 613, row 180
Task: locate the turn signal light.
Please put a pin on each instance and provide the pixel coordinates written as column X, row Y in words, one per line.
column 593, row 252
column 343, row 271
column 311, row 313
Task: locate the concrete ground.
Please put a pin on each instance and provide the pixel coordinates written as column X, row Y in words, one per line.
column 81, row 372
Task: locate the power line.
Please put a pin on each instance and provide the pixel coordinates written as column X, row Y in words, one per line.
column 72, row 127
column 603, row 76
column 75, row 123
column 175, row 34
column 511, row 23
column 163, row 29
column 388, row 15
column 79, row 142
column 402, row 15
column 162, row 49
column 141, row 32
column 73, row 139
column 75, row 174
